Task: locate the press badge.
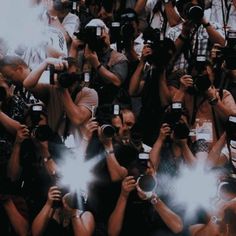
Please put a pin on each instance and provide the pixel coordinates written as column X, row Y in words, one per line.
column 204, row 130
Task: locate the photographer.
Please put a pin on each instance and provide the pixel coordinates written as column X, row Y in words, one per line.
column 151, row 84
column 109, row 68
column 58, row 15
column 113, row 153
column 192, row 35
column 208, row 107
column 223, row 154
column 129, row 39
column 65, row 220
column 70, row 99
column 162, row 14
column 220, row 219
column 137, row 214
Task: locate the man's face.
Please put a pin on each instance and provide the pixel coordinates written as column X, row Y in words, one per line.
column 13, row 73
column 125, row 126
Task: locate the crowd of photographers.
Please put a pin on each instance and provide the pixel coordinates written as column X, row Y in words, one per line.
column 137, row 89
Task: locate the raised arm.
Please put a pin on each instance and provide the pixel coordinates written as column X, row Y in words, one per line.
column 40, row 223
column 171, row 219
column 215, row 159
column 11, row 125
column 14, row 167
column 116, row 171
column 156, row 149
column 116, row 219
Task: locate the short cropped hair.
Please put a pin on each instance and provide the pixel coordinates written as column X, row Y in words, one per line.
column 13, row 61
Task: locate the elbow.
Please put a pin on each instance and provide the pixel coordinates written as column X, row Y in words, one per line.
column 178, row 228
column 117, row 83
column 76, row 121
column 132, row 92
column 27, row 85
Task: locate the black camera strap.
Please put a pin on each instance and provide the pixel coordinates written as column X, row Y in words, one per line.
column 158, row 8
column 225, row 17
column 230, row 156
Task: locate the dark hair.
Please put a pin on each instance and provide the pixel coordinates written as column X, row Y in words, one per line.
column 107, row 5
column 13, row 61
column 130, row 11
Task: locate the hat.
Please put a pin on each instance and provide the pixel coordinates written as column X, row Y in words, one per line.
column 97, row 23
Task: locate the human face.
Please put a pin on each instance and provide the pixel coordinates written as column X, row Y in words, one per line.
column 14, row 73
column 125, row 125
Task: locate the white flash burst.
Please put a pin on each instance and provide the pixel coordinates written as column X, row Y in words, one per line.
column 76, row 173
column 195, row 188
column 20, row 24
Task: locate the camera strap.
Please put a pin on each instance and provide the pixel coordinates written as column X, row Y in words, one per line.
column 225, row 17
column 158, row 8
column 230, row 156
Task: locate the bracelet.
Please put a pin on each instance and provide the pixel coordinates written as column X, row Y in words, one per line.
column 155, row 200
column 46, row 159
column 108, row 152
column 183, row 38
column 213, row 101
column 99, row 66
column 77, row 214
column 206, row 25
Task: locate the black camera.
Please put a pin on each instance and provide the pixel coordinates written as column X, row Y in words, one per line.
column 229, row 52
column 40, row 132
column 104, row 115
column 193, row 12
column 231, row 128
column 64, row 78
column 92, row 36
column 3, row 94
column 201, row 81
column 173, row 118
column 162, row 48
column 146, row 182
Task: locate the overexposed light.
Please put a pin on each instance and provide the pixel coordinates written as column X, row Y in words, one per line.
column 76, row 173
column 195, row 188
column 20, row 24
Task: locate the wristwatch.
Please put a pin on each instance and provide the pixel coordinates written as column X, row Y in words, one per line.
column 108, row 152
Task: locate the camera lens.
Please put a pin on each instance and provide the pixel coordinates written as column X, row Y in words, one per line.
column 42, row 132
column 3, row 94
column 108, row 130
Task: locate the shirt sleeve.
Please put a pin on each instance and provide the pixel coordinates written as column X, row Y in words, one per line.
column 87, row 98
column 71, row 24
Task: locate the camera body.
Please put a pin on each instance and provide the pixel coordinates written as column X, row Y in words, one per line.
column 65, row 78
column 231, row 128
column 201, row 81
column 3, row 94
column 103, row 116
column 40, row 132
column 92, row 36
column 173, row 118
column 228, row 53
column 146, row 182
